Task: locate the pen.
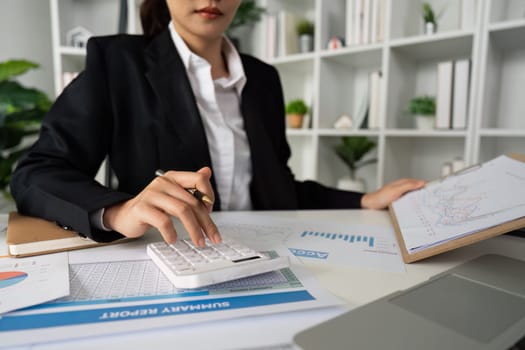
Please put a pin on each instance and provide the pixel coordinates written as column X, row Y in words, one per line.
column 193, row 191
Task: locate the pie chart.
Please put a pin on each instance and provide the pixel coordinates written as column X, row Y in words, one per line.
column 10, row 278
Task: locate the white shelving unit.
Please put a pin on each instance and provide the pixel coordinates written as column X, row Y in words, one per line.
column 333, row 82
column 500, row 126
column 100, row 17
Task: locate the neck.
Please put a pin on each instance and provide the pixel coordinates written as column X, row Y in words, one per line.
column 210, row 50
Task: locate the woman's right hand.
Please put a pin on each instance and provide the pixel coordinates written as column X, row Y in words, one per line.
column 164, row 197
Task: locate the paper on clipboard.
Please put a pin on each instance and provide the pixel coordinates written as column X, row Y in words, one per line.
column 486, row 197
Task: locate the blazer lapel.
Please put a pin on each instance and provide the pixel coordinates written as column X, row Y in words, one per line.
column 182, row 143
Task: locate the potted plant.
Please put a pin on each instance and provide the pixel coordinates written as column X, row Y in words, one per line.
column 429, row 19
column 305, row 31
column 352, row 151
column 248, row 13
column 423, row 108
column 21, row 112
column 295, row 112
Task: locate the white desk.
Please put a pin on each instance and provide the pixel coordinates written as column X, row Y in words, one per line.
column 355, row 286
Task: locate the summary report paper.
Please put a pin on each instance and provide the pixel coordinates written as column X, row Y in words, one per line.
column 116, row 289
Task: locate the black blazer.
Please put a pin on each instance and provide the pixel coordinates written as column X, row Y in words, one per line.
column 134, row 103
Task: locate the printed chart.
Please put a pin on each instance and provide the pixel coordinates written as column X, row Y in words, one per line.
column 10, row 278
column 484, row 196
column 363, row 246
column 21, row 277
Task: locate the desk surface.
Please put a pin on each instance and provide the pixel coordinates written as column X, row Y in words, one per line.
column 355, row 286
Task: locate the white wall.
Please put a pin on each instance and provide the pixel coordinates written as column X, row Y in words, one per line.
column 25, row 32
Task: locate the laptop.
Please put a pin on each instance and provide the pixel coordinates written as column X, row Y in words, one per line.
column 477, row 305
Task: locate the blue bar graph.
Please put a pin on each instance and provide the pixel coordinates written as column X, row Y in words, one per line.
column 368, row 240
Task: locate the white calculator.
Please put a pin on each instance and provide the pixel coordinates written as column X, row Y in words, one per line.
column 188, row 266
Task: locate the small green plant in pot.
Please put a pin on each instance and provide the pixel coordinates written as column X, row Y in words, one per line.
column 423, row 108
column 295, row 112
column 305, row 31
column 21, row 113
column 352, row 151
column 429, row 19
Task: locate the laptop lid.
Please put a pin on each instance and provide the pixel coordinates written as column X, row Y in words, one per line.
column 477, row 305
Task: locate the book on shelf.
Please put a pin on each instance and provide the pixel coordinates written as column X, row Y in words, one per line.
column 364, row 21
column 461, row 90
column 271, row 36
column 350, row 29
column 445, row 72
column 28, row 236
column 361, row 116
column 287, row 33
column 374, row 100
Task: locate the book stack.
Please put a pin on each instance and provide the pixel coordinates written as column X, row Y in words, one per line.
column 365, row 20
column 453, row 85
column 281, row 34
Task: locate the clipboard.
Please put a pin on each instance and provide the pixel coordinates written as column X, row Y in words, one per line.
column 29, row 236
column 458, row 242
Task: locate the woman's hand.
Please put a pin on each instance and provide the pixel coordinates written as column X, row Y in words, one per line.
column 381, row 198
column 164, row 197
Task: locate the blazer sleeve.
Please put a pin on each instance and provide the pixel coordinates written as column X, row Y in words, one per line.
column 310, row 194
column 55, row 179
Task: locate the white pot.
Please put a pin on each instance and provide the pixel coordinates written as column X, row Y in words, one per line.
column 348, row 184
column 425, row 122
column 429, row 28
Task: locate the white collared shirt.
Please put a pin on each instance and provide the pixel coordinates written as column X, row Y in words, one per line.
column 219, row 103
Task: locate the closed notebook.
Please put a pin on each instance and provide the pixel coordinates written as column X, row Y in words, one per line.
column 28, row 236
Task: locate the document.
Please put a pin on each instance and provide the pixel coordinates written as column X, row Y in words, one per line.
column 30, row 281
column 129, row 293
column 478, row 198
column 366, row 246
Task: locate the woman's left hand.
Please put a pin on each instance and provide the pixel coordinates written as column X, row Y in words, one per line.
column 381, row 198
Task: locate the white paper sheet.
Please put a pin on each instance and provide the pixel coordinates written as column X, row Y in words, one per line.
column 34, row 280
column 482, row 197
column 364, row 246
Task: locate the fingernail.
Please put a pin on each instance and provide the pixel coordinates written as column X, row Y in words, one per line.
column 201, row 242
column 217, row 238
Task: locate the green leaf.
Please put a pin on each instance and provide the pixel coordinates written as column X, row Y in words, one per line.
column 247, row 13
column 14, row 97
column 14, row 68
column 352, row 149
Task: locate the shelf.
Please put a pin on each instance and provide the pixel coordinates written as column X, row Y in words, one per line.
column 440, row 46
column 299, row 132
column 502, row 132
column 359, row 56
column 72, row 51
column 424, row 133
column 517, row 23
column 294, row 59
column 348, row 132
column 508, row 37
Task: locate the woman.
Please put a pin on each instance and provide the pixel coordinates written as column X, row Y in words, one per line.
column 179, row 97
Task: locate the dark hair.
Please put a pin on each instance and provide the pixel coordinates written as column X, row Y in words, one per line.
column 154, row 16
